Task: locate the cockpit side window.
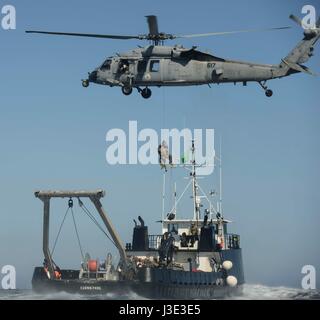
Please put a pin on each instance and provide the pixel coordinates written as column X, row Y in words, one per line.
column 106, row 65
column 155, row 66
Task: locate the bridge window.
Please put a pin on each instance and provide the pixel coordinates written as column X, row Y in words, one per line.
column 155, row 66
column 173, row 228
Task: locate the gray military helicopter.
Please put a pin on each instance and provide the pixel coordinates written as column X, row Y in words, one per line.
column 159, row 65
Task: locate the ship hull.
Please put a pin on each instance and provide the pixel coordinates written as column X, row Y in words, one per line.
column 186, row 292
column 151, row 283
column 151, row 290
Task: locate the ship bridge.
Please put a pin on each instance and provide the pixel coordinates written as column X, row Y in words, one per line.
column 197, row 243
column 188, row 235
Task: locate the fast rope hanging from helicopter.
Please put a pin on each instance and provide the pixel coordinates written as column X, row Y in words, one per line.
column 165, row 158
column 87, row 213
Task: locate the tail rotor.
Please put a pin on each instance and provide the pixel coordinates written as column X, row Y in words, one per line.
column 304, row 50
column 299, row 22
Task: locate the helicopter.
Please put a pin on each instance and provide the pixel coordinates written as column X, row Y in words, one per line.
column 157, row 65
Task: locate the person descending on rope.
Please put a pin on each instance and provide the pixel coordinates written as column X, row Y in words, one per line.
column 164, row 156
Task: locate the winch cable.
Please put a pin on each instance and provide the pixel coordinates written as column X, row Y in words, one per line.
column 163, row 107
column 94, row 220
column 76, row 229
column 59, row 232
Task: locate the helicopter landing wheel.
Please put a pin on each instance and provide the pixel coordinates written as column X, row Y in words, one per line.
column 85, row 83
column 269, row 93
column 126, row 90
column 146, row 93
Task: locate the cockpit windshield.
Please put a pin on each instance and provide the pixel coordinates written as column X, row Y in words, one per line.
column 106, row 65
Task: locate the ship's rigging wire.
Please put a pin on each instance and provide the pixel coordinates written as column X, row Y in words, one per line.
column 60, row 229
column 91, row 217
column 77, row 233
column 207, row 198
column 94, row 220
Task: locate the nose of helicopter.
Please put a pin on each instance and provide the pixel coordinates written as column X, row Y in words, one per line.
column 93, row 76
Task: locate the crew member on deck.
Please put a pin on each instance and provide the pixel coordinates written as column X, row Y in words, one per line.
column 194, row 233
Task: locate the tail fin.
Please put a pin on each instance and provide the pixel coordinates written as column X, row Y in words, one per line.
column 304, row 50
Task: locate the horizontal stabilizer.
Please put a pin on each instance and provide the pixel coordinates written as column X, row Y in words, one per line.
column 298, row 67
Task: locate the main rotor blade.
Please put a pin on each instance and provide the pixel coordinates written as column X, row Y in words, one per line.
column 228, row 32
column 153, row 25
column 103, row 36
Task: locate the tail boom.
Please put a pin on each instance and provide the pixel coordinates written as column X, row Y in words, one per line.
column 304, row 50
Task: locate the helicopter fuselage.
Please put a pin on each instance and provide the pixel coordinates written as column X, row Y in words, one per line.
column 177, row 66
column 159, row 65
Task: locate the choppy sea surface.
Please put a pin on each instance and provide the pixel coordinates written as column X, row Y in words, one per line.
column 250, row 292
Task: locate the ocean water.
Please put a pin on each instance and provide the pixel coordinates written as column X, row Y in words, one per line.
column 250, row 292
column 261, row 292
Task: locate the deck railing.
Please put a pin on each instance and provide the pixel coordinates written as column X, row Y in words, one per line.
column 232, row 241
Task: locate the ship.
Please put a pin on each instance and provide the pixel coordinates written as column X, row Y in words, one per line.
column 193, row 257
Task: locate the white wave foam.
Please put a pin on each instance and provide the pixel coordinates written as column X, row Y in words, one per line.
column 261, row 292
column 250, row 292
column 30, row 295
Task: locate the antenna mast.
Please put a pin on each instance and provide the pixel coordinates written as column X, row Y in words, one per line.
column 163, row 194
column 220, row 182
column 175, row 198
column 194, row 184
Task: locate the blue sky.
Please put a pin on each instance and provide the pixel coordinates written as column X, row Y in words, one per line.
column 52, row 131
